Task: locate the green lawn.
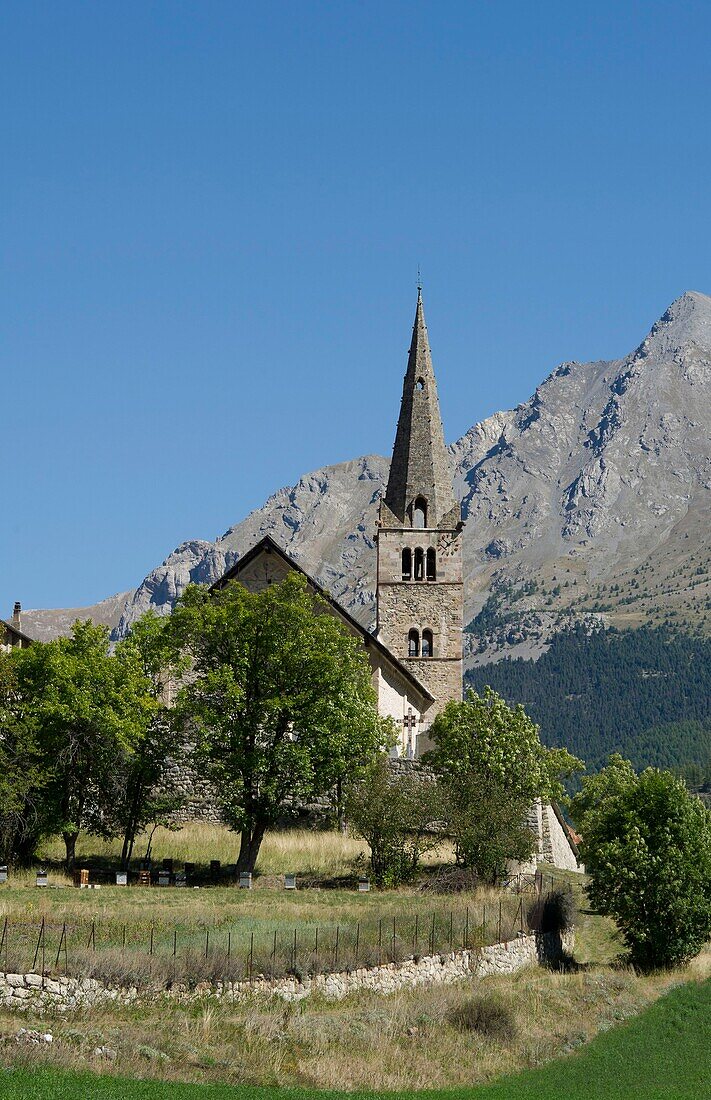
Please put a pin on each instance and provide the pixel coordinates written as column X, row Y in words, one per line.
column 663, row 1053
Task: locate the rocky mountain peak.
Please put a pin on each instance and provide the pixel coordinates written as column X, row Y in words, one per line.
column 600, row 481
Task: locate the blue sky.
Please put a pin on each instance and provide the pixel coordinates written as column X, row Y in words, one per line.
column 211, row 219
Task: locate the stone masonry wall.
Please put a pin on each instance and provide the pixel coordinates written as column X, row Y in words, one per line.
column 24, row 992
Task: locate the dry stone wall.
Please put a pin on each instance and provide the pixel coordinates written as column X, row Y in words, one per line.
column 24, row 992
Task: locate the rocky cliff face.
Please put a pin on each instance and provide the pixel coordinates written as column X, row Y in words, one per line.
column 592, row 500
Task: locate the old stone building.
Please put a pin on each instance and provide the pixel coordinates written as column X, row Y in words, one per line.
column 419, row 570
column 11, row 634
column 415, row 653
column 401, row 694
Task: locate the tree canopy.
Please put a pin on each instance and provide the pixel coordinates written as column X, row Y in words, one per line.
column 483, row 735
column 279, row 696
column 490, row 762
column 646, row 843
column 82, row 708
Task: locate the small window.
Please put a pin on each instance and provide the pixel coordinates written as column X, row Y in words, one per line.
column 419, row 513
column 413, row 643
column 419, row 564
column 420, row 384
column 431, row 564
column 407, row 564
column 426, row 643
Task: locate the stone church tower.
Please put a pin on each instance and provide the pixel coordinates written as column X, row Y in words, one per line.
column 419, row 573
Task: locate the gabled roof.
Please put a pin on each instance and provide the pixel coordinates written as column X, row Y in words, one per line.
column 18, row 633
column 269, row 546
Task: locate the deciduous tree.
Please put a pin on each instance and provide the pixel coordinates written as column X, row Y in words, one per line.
column 399, row 817
column 489, row 759
column 280, row 696
column 646, row 843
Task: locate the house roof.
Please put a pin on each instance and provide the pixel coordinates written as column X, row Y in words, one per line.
column 13, row 630
column 269, row 546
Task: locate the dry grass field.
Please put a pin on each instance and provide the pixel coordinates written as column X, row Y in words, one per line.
column 152, row 935
column 305, row 852
column 434, row 1037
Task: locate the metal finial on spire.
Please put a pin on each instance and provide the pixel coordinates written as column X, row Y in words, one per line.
column 419, row 280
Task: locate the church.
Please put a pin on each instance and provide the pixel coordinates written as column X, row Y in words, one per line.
column 416, row 651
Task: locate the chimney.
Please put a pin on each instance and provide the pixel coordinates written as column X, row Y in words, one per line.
column 17, row 615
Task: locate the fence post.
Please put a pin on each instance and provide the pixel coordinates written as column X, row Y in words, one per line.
column 207, row 941
column 293, row 954
column 499, row 939
column 357, row 943
column 251, row 955
column 229, row 945
column 150, row 949
column 274, row 953
column 316, row 952
column 335, row 953
column 466, row 928
column 483, row 924
column 394, row 939
column 415, row 936
column 2, row 941
column 123, row 939
column 432, row 935
column 37, row 948
column 175, row 942
column 451, row 930
column 380, row 942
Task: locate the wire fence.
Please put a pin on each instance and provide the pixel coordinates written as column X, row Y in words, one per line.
column 141, row 953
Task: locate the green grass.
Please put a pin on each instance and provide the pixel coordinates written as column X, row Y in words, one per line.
column 662, row 1053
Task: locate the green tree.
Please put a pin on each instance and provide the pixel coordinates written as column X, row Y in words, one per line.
column 488, row 823
column 399, row 817
column 87, row 708
column 490, row 761
column 23, row 774
column 141, row 796
column 279, row 696
column 646, row 844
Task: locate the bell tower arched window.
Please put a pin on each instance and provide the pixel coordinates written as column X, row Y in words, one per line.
column 407, row 564
column 419, row 513
column 431, row 564
column 427, row 650
column 413, row 643
column 419, row 564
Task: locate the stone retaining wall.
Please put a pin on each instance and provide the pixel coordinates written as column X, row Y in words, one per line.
column 31, row 991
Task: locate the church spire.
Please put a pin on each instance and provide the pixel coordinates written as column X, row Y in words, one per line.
column 419, row 492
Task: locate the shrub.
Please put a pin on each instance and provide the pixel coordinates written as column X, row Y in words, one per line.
column 397, row 816
column 488, row 1016
column 557, row 911
column 647, row 847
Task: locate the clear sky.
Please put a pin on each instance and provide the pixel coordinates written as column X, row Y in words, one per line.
column 212, row 218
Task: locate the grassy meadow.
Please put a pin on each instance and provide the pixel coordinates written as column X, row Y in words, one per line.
column 309, row 853
column 663, row 1052
column 442, row 1038
column 155, row 936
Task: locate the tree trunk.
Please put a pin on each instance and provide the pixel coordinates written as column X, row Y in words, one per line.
column 250, row 842
column 70, row 843
column 340, row 807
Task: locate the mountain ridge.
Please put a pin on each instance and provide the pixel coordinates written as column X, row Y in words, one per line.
column 605, row 471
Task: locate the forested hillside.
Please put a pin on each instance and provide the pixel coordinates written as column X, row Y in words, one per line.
column 645, row 693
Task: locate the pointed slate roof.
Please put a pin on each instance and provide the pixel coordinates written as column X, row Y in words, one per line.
column 420, row 465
